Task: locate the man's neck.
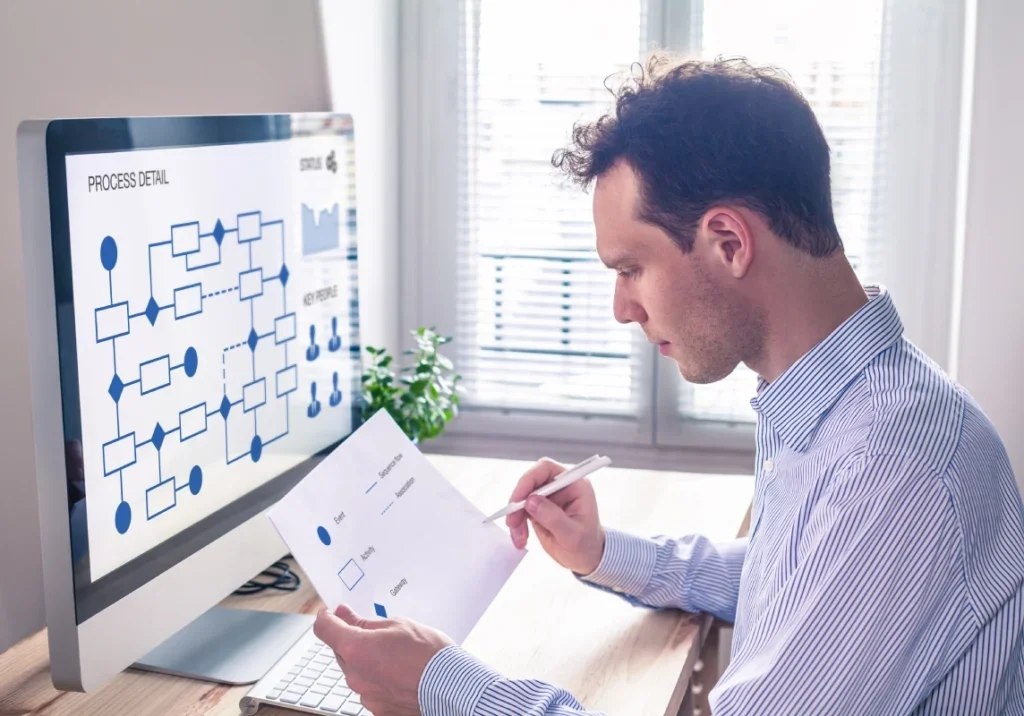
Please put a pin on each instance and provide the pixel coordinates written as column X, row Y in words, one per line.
column 813, row 305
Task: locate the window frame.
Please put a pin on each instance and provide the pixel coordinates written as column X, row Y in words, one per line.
column 429, row 91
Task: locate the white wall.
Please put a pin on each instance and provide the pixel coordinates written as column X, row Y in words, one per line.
column 989, row 348
column 123, row 57
column 362, row 62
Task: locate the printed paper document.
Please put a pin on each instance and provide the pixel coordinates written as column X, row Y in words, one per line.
column 377, row 527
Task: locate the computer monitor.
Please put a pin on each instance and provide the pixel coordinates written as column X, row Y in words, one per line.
column 193, row 339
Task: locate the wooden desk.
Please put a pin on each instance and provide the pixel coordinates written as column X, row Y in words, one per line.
column 544, row 624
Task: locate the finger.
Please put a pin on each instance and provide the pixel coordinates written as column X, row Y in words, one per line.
column 519, row 535
column 347, row 615
column 516, row 523
column 335, row 632
column 543, row 534
column 544, row 471
column 549, row 516
column 517, row 528
column 582, row 489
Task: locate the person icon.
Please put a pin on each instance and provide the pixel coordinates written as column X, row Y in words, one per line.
column 313, row 350
column 335, row 398
column 335, row 342
column 314, row 407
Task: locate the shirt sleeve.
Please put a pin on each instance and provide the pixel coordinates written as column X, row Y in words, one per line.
column 691, row 573
column 867, row 613
column 455, row 683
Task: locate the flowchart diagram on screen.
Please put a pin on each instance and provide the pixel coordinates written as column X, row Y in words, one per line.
column 214, row 335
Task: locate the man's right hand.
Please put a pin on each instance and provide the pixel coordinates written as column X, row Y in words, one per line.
column 566, row 523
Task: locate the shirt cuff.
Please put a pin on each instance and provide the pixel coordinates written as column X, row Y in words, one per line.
column 453, row 683
column 627, row 565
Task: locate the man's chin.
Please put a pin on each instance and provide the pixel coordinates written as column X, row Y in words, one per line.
column 700, row 375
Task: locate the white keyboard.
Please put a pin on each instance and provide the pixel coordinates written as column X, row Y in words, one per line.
column 306, row 679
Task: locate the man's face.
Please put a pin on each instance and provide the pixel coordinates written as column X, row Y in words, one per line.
column 686, row 303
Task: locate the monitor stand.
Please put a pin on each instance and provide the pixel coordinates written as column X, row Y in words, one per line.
column 228, row 646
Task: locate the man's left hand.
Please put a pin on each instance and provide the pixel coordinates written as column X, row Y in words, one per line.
column 383, row 659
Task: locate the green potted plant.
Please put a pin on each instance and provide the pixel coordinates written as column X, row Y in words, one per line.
column 422, row 398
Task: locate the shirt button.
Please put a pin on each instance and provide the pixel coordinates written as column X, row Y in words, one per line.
column 768, row 465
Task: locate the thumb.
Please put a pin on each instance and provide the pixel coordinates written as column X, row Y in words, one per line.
column 334, row 630
column 347, row 615
column 549, row 515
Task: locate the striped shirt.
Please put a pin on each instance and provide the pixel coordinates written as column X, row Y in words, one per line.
column 884, row 566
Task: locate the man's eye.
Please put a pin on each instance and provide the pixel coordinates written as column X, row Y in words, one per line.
column 628, row 273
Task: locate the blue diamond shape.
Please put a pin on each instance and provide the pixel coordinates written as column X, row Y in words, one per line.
column 251, row 340
column 116, row 386
column 225, row 407
column 152, row 311
column 283, row 275
column 381, row 612
column 218, row 232
column 158, row 436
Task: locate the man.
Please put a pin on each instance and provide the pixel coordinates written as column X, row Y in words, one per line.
column 883, row 572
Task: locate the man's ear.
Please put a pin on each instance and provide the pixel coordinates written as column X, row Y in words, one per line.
column 730, row 238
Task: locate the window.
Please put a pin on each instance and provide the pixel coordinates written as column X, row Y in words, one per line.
column 535, row 329
column 833, row 53
column 499, row 254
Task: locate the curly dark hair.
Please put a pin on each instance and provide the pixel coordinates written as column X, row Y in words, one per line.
column 701, row 133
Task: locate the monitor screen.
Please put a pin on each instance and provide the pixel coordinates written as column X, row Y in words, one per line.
column 207, row 317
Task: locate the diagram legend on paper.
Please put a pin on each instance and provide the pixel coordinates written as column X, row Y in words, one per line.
column 412, row 546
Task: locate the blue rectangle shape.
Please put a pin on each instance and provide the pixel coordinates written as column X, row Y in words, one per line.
column 189, row 299
column 287, row 380
column 188, row 421
column 250, row 284
column 118, row 454
column 166, row 489
column 249, row 227
column 254, row 394
column 154, row 375
column 205, row 257
column 112, row 321
column 284, row 328
column 185, row 238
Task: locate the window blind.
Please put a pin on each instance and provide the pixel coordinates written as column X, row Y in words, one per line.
column 534, row 303
column 834, row 54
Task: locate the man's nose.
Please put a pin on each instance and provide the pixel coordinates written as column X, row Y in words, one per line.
column 626, row 309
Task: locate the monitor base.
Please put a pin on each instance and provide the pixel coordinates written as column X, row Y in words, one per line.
column 227, row 646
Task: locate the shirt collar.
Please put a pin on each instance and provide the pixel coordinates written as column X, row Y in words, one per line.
column 795, row 403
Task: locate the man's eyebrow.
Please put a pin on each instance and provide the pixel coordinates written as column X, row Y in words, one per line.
column 619, row 260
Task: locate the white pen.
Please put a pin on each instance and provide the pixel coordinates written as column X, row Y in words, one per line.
column 571, row 475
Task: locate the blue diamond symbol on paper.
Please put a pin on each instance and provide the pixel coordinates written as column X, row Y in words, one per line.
column 218, row 232
column 251, row 340
column 283, row 275
column 116, row 387
column 381, row 612
column 225, row 407
column 152, row 311
column 158, row 436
